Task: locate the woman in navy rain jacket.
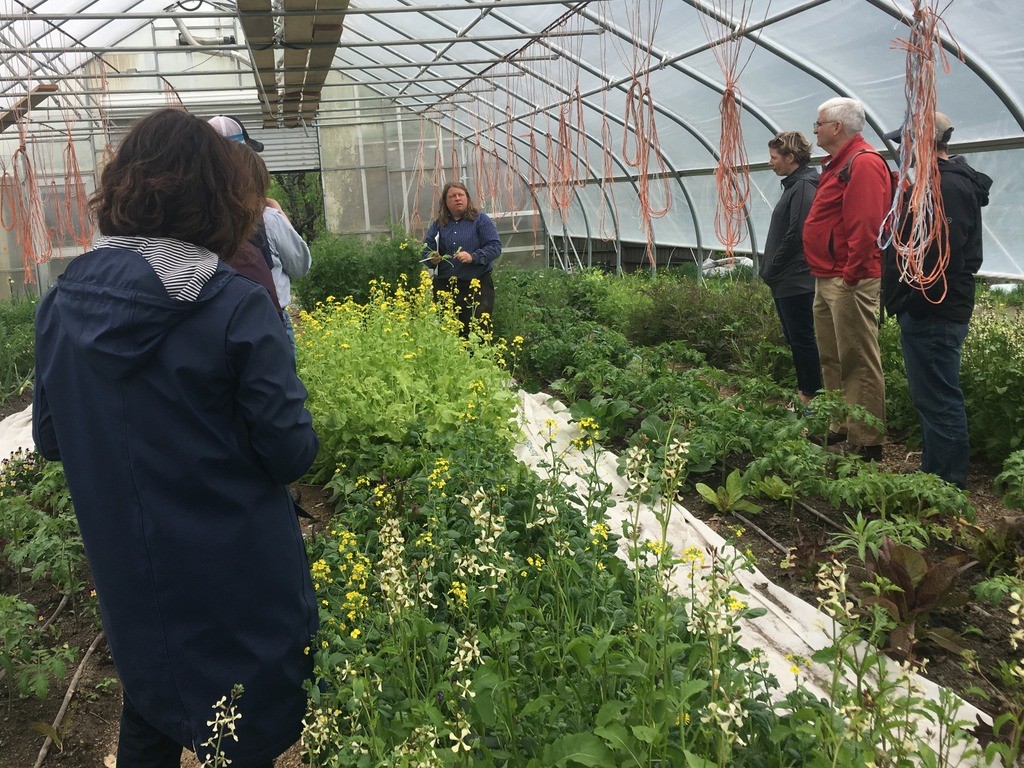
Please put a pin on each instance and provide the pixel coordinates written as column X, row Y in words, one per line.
column 165, row 383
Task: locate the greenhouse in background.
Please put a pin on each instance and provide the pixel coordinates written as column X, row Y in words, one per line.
column 592, row 132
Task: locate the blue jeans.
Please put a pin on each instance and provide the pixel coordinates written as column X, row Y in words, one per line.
column 931, row 352
column 797, row 316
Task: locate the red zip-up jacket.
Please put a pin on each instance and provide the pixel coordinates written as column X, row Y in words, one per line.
column 841, row 229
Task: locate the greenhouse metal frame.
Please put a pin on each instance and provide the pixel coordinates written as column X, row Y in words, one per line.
column 592, row 131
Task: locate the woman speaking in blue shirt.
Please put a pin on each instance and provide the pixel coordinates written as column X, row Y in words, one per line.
column 462, row 245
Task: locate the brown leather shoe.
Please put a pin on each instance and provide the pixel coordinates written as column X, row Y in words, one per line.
column 833, row 438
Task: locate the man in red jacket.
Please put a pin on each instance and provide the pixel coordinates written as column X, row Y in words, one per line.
column 841, row 247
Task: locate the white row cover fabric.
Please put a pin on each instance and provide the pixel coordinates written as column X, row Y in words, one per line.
column 16, row 433
column 790, row 626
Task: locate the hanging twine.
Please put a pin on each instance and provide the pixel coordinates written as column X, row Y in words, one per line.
column 73, row 211
column 732, row 175
column 916, row 221
column 30, row 229
column 640, row 125
column 732, row 178
column 415, row 220
column 76, row 222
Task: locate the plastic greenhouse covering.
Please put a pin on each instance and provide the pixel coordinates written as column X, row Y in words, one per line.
column 587, row 128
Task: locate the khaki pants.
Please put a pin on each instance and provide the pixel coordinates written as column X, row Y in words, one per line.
column 846, row 327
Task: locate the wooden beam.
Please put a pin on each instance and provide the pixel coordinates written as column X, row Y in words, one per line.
column 24, row 105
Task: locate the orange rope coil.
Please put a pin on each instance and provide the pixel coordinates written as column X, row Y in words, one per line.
column 916, row 221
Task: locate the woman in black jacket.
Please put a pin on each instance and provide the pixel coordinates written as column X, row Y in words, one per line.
column 783, row 267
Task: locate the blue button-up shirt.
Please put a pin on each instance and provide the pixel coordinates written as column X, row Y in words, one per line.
column 478, row 237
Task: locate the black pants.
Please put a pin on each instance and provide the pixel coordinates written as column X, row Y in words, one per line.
column 797, row 316
column 469, row 303
column 140, row 745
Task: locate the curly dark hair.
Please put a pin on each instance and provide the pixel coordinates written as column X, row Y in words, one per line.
column 175, row 176
column 443, row 215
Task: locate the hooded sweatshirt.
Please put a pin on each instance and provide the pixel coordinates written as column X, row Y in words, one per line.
column 964, row 194
column 165, row 383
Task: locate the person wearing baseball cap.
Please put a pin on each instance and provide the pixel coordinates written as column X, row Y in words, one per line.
column 943, row 131
column 287, row 254
column 230, row 127
column 934, row 321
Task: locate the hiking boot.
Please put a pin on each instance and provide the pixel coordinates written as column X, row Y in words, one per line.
column 866, row 452
column 833, row 438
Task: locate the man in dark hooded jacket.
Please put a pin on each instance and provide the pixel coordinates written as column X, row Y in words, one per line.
column 934, row 322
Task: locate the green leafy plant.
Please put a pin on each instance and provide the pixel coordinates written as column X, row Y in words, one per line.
column 919, row 495
column 995, row 590
column 345, row 267
column 37, row 523
column 615, row 416
column 992, row 377
column 728, row 498
column 999, row 545
column 27, row 661
column 1010, row 482
column 392, row 383
column 864, row 536
column 774, row 487
column 17, row 345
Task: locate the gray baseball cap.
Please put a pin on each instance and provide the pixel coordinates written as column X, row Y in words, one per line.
column 943, row 130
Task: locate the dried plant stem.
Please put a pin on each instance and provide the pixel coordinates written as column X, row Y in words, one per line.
column 67, row 698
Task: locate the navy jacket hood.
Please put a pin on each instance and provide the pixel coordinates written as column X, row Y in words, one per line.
column 122, row 308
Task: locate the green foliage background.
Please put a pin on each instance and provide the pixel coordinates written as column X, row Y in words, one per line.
column 343, row 267
column 302, row 198
column 17, row 344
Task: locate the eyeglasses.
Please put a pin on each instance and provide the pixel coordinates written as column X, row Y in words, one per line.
column 818, row 123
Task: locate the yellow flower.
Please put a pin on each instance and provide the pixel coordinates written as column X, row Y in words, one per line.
column 459, row 592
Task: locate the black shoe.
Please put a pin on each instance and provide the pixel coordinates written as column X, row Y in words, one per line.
column 833, row 438
column 866, row 452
